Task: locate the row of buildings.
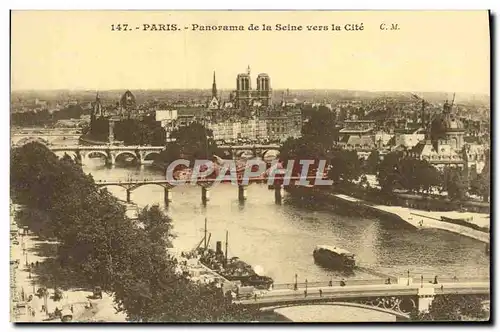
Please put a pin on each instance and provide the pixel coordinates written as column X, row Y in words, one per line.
column 250, row 115
column 441, row 140
column 247, row 114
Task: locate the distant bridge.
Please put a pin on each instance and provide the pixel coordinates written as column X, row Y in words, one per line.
column 80, row 153
column 255, row 150
column 141, row 153
column 399, row 298
column 110, row 152
column 46, row 138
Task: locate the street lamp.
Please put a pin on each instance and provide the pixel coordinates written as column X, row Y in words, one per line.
column 422, row 281
column 408, row 282
column 295, row 285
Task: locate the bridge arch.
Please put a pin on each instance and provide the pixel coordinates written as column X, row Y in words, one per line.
column 240, row 153
column 104, row 185
column 398, row 314
column 129, row 153
column 26, row 140
column 103, row 154
column 131, row 186
column 72, row 154
column 148, row 154
column 268, row 152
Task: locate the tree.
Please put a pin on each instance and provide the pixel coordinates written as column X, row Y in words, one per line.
column 191, row 142
column 297, row 149
column 453, row 307
column 321, row 127
column 480, row 185
column 389, row 174
column 345, row 166
column 372, row 162
column 103, row 247
column 456, row 183
column 428, row 176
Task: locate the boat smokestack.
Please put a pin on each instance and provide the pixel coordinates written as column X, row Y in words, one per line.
column 218, row 247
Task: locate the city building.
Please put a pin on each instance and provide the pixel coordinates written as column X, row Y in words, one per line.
column 357, row 128
column 283, row 124
column 408, row 138
column 358, row 135
column 444, row 143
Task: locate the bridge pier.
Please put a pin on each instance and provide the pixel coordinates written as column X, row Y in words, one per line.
column 278, row 193
column 110, row 161
column 205, row 194
column 167, row 195
column 242, row 193
column 128, row 196
column 425, row 298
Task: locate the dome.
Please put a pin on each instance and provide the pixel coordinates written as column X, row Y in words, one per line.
column 127, row 100
column 445, row 123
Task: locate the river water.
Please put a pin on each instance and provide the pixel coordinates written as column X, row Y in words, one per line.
column 280, row 239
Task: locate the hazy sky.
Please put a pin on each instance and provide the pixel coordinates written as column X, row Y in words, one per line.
column 432, row 51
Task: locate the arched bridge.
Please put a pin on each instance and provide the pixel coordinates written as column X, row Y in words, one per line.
column 255, row 150
column 46, row 138
column 80, row 153
column 400, row 298
column 141, row 153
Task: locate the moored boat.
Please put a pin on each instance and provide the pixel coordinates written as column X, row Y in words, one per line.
column 233, row 269
column 333, row 257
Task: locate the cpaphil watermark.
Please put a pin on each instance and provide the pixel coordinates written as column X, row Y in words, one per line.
column 181, row 172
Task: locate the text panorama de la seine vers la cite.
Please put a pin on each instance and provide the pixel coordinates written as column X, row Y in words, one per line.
column 250, row 27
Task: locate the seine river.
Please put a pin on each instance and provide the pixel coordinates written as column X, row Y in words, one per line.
column 280, row 239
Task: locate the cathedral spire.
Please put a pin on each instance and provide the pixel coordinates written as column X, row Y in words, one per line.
column 214, row 87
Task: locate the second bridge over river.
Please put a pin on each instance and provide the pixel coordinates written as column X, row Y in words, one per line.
column 277, row 185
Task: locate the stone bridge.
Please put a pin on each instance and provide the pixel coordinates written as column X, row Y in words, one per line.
column 47, row 138
column 80, row 153
column 254, row 150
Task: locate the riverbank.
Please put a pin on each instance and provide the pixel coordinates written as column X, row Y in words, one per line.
column 424, row 219
column 26, row 280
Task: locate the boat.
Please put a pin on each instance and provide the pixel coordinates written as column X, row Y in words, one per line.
column 233, row 269
column 333, row 257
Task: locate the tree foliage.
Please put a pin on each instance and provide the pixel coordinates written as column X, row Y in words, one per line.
column 191, row 142
column 314, row 144
column 321, row 127
column 107, row 249
column 455, row 183
column 452, row 308
column 480, row 185
column 345, row 166
column 147, row 131
column 398, row 171
column 372, row 163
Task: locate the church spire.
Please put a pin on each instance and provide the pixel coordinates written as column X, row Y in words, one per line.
column 214, row 87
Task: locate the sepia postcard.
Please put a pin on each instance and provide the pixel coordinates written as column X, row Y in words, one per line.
column 250, row 166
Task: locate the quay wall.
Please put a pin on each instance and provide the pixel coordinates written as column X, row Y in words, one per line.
column 393, row 213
